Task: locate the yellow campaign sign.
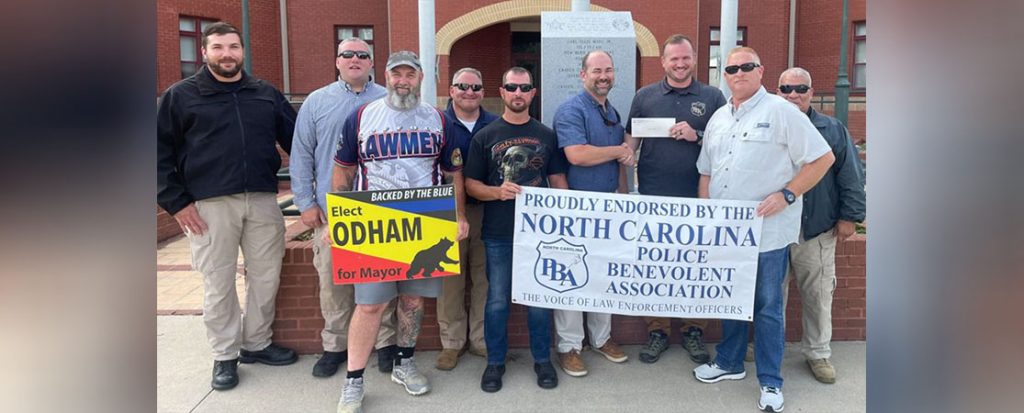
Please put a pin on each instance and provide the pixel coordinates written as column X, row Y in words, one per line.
column 393, row 235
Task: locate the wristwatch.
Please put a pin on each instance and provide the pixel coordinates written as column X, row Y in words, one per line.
column 789, row 195
column 700, row 136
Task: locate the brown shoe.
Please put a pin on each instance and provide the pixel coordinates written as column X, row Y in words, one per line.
column 447, row 359
column 823, row 370
column 572, row 363
column 612, row 352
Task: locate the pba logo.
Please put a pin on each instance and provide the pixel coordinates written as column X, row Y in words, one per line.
column 561, row 266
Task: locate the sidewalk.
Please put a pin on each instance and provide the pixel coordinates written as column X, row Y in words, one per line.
column 184, row 367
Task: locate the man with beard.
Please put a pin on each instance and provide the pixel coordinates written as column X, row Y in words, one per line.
column 666, row 167
column 589, row 130
column 831, row 209
column 217, row 165
column 363, row 163
column 512, row 152
column 760, row 148
column 465, row 118
column 316, row 139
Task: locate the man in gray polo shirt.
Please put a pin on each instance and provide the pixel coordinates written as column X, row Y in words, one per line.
column 666, row 166
column 317, row 131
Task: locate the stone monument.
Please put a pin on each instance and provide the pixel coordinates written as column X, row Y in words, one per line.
column 565, row 37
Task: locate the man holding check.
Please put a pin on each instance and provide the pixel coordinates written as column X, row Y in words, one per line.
column 666, row 165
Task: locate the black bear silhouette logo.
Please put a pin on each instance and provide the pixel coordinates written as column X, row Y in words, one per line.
column 430, row 259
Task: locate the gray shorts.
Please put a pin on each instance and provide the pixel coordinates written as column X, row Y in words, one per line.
column 376, row 293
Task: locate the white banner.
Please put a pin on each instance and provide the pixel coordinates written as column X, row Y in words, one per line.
column 635, row 254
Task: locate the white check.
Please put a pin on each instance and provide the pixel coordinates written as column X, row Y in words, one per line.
column 652, row 127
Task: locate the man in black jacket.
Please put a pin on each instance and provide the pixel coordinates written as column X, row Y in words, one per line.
column 830, row 210
column 217, row 165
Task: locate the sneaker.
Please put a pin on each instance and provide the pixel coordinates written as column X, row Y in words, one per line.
column 447, row 359
column 572, row 363
column 352, row 396
column 546, row 376
column 406, row 374
column 328, row 363
column 386, row 358
column 750, row 353
column 612, row 352
column 823, row 370
column 771, row 399
column 491, row 382
column 271, row 355
column 712, row 373
column 657, row 343
column 693, row 342
column 225, row 374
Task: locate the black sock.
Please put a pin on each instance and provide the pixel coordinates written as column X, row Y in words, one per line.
column 404, row 353
column 357, row 374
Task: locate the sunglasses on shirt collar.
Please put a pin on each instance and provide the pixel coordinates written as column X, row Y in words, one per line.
column 349, row 53
column 746, row 67
column 605, row 118
column 801, row 89
column 467, row 86
column 511, row 87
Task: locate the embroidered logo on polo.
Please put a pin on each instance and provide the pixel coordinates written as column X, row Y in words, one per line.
column 698, row 109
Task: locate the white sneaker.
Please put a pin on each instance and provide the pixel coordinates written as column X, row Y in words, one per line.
column 771, row 399
column 352, row 397
column 711, row 373
column 406, row 374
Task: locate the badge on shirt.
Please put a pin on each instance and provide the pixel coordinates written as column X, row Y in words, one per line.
column 457, row 157
column 698, row 109
column 763, row 125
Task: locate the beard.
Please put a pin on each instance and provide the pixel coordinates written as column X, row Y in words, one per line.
column 221, row 71
column 601, row 92
column 510, row 105
column 403, row 102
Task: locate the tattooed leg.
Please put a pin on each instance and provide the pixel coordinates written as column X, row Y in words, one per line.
column 410, row 317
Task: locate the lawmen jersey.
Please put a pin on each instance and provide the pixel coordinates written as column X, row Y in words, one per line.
column 396, row 149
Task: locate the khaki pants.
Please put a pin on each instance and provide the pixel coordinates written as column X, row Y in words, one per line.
column 451, row 305
column 253, row 221
column 338, row 301
column 812, row 264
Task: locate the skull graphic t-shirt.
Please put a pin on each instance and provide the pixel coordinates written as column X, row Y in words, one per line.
column 524, row 154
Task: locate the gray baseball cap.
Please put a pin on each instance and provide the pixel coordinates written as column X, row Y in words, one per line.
column 403, row 57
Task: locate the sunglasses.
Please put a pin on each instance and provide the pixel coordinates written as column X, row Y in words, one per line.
column 467, row 86
column 787, row 89
column 746, row 67
column 605, row 118
column 349, row 53
column 511, row 87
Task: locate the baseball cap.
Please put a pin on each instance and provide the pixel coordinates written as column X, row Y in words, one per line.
column 403, row 57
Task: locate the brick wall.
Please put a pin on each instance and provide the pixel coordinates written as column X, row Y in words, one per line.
column 264, row 36
column 311, row 37
column 166, row 226
column 298, row 321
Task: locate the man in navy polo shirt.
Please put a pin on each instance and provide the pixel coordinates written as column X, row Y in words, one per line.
column 465, row 118
column 667, row 167
column 590, row 132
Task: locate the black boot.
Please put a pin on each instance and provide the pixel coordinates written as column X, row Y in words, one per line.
column 272, row 355
column 225, row 374
column 386, row 358
column 328, row 363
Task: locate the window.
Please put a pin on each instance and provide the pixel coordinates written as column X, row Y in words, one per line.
column 190, row 33
column 714, row 69
column 860, row 55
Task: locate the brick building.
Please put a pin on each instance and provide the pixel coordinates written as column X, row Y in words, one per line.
column 293, row 44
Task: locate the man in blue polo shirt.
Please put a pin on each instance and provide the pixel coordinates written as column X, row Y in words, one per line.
column 667, row 166
column 465, row 118
column 590, row 132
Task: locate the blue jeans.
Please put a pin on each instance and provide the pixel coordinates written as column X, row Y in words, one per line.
column 499, row 299
column 769, row 331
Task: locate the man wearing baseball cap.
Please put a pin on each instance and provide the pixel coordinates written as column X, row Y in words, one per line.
column 362, row 165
